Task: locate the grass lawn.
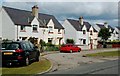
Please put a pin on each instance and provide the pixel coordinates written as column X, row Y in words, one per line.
column 104, row 54
column 33, row 68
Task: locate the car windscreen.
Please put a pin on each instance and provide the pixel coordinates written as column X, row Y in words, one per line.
column 10, row 46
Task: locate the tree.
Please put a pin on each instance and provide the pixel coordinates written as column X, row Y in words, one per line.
column 42, row 44
column 104, row 34
column 71, row 41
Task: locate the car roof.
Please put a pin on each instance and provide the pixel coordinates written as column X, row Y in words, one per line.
column 15, row 41
column 68, row 44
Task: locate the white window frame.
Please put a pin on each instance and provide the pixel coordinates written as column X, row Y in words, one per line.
column 35, row 26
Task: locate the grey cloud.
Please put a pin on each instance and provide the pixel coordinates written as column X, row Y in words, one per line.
column 93, row 11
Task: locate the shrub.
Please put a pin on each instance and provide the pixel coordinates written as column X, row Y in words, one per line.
column 71, row 41
column 51, row 48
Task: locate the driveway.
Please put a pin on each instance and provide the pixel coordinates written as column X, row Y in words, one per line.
column 62, row 61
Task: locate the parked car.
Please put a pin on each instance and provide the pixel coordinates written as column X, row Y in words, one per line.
column 70, row 48
column 19, row 52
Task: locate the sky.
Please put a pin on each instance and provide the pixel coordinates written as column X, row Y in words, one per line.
column 92, row 12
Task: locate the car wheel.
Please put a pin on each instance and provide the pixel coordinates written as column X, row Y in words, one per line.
column 27, row 62
column 78, row 50
column 37, row 58
column 71, row 51
column 60, row 51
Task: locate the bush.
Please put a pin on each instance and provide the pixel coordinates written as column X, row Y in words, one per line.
column 42, row 43
column 48, row 46
column 71, row 41
column 51, row 48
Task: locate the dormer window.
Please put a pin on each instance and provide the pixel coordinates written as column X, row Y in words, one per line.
column 91, row 32
column 59, row 31
column 50, row 29
column 34, row 27
column 22, row 28
column 84, row 32
column 114, row 34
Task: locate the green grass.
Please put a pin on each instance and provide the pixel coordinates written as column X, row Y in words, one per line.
column 104, row 54
column 34, row 68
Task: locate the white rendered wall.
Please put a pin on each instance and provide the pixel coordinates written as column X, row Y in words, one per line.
column 70, row 31
column 8, row 27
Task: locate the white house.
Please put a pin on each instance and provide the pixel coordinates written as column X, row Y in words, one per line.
column 81, row 32
column 23, row 24
column 0, row 24
column 114, row 34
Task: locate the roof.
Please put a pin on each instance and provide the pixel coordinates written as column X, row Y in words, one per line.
column 45, row 19
column 19, row 17
column 23, row 17
column 102, row 26
column 118, row 27
column 78, row 26
column 75, row 24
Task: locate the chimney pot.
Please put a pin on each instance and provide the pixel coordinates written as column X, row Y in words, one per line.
column 106, row 24
column 81, row 20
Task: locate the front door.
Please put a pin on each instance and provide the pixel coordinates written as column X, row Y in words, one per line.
column 91, row 44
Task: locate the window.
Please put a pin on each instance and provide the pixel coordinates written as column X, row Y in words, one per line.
column 84, row 32
column 91, row 41
column 84, row 41
column 50, row 29
column 22, row 28
column 31, row 45
column 28, row 46
column 49, row 40
column 90, row 32
column 11, row 46
column 59, row 31
column 34, row 27
column 114, row 34
column 24, row 46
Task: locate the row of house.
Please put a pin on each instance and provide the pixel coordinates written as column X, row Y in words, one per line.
column 24, row 25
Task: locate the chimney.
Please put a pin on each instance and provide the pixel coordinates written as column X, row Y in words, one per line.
column 35, row 11
column 81, row 20
column 106, row 24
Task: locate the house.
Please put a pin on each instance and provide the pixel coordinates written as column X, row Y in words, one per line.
column 25, row 25
column 0, row 25
column 111, row 29
column 82, row 32
column 116, row 33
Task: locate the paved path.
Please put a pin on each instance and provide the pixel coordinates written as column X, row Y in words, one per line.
column 62, row 61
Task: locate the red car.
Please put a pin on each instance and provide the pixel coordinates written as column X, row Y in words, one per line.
column 70, row 48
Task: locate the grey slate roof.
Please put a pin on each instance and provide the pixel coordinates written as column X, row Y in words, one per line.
column 102, row 26
column 19, row 17
column 23, row 17
column 45, row 19
column 118, row 27
column 78, row 27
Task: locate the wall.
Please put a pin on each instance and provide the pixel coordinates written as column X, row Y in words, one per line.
column 0, row 23
column 94, row 37
column 55, row 36
column 8, row 27
column 70, row 31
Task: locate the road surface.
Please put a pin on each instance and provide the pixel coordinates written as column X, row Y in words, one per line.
column 109, row 67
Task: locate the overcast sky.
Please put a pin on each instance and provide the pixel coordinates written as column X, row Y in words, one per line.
column 93, row 12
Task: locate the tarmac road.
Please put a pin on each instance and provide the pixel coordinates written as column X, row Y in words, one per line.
column 109, row 67
column 65, row 61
